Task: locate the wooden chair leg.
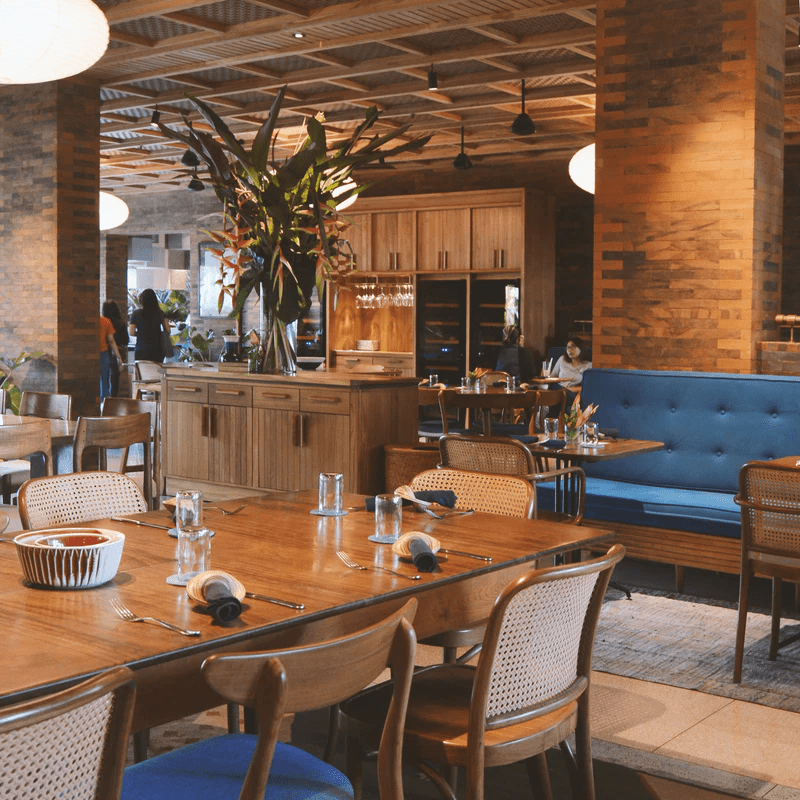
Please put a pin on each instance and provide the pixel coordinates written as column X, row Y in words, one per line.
column 141, row 741
column 539, row 777
column 680, row 578
column 333, row 733
column 354, row 767
column 744, row 599
column 776, row 618
column 232, row 710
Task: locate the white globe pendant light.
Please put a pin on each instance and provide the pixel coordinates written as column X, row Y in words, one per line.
column 113, row 211
column 46, row 40
column 581, row 168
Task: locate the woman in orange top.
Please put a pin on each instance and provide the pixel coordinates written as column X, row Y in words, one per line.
column 108, row 347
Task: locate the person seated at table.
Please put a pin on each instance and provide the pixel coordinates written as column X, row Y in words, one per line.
column 514, row 358
column 570, row 367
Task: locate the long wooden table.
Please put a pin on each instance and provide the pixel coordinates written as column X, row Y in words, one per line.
column 274, row 546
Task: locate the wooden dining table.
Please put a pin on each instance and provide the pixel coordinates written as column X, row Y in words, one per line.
column 274, row 546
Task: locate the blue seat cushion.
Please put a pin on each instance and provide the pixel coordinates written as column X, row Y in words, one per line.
column 215, row 768
column 692, row 510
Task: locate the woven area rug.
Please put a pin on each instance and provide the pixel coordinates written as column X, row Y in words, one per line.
column 688, row 642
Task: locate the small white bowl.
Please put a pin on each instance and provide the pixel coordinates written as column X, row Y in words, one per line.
column 70, row 558
column 366, row 344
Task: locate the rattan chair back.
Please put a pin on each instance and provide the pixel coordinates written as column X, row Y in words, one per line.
column 19, row 441
column 77, row 497
column 508, row 495
column 69, row 744
column 486, row 454
column 109, row 433
column 45, row 404
column 769, row 497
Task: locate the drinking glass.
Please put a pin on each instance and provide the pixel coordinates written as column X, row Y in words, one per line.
column 545, row 370
column 188, row 510
column 551, row 428
column 194, row 553
column 433, row 379
column 590, row 434
column 388, row 519
column 330, row 493
column 512, row 384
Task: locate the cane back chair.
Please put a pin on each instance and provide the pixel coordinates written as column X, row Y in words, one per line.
column 69, row 744
column 528, row 692
column 769, row 497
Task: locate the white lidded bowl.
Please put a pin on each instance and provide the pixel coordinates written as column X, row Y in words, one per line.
column 70, row 558
column 366, row 344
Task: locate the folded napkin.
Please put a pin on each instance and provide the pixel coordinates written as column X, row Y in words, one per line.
column 443, row 498
column 222, row 605
column 421, row 554
column 554, row 444
column 609, row 433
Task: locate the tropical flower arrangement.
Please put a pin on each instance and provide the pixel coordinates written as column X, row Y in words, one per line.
column 283, row 227
column 576, row 417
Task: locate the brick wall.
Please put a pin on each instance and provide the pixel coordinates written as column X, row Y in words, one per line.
column 688, row 206
column 49, row 264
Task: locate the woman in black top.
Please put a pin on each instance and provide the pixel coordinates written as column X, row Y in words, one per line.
column 146, row 325
column 514, row 358
column 112, row 312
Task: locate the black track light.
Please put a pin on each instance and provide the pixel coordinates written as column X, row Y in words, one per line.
column 190, row 159
column 523, row 124
column 433, row 79
column 155, row 118
column 462, row 160
column 195, row 184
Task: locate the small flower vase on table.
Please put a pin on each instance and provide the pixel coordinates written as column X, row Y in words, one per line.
column 572, row 433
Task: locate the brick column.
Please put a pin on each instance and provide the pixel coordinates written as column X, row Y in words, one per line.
column 688, row 209
column 49, row 263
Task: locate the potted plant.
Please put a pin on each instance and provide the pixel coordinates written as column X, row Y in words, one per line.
column 283, row 225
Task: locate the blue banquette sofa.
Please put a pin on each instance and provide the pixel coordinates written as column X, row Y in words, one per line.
column 676, row 505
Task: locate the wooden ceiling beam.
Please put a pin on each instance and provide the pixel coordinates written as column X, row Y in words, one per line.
column 193, row 21
column 130, row 10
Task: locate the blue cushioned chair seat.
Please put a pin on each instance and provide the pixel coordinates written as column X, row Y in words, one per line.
column 215, row 769
column 696, row 511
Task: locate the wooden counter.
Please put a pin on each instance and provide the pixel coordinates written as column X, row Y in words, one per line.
column 225, row 432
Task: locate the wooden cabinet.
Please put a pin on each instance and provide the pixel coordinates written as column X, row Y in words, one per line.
column 393, row 237
column 359, row 236
column 443, row 237
column 497, row 238
column 391, row 362
column 208, row 426
column 259, row 432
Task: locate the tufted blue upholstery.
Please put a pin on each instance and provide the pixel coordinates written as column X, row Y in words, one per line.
column 710, row 423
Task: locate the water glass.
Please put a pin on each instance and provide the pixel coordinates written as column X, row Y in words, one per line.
column 388, row 518
column 330, row 493
column 545, row 370
column 433, row 380
column 590, row 434
column 512, row 384
column 466, row 385
column 194, row 553
column 188, row 510
column 551, row 428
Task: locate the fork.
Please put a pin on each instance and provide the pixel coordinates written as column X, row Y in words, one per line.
column 348, row 562
column 123, row 612
column 230, row 513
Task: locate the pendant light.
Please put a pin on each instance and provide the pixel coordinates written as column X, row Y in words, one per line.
column 433, row 79
column 462, row 160
column 581, row 168
column 523, row 124
column 195, row 184
column 47, row 40
column 113, row 211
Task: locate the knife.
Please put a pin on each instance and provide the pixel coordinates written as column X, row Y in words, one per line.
column 462, row 553
column 145, row 524
column 254, row 596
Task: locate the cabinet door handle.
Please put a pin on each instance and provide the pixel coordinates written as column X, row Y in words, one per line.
column 502, row 259
column 276, row 395
column 234, row 392
column 204, row 422
column 190, row 389
column 212, row 422
column 391, row 258
column 326, row 400
column 445, row 259
column 396, row 260
column 301, row 433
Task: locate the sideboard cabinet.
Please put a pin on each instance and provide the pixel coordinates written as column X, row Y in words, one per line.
column 225, row 433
